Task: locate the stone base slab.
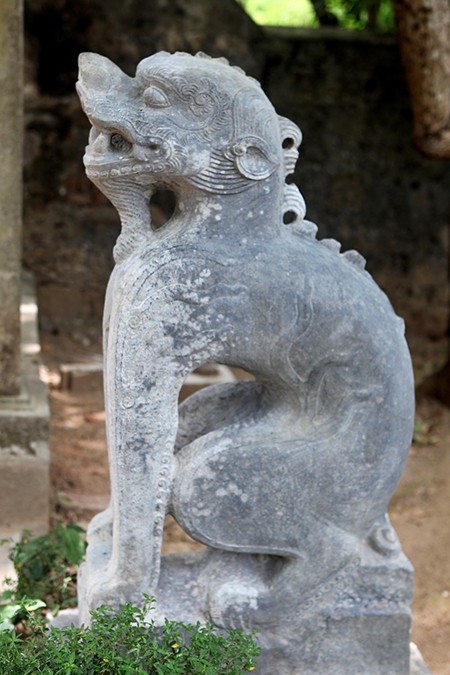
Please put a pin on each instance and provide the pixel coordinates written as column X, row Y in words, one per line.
column 352, row 623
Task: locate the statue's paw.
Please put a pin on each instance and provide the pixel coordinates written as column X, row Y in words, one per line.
column 235, row 604
column 111, row 590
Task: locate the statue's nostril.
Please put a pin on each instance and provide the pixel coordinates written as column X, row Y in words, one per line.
column 119, row 144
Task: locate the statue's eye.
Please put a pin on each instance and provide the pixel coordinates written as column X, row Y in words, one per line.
column 119, row 144
column 155, row 97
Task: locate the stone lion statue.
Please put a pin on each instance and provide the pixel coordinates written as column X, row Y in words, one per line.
column 285, row 478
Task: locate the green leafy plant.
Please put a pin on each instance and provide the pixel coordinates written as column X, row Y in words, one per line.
column 13, row 612
column 125, row 643
column 46, row 566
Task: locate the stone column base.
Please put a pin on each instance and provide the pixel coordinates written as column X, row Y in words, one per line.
column 24, row 437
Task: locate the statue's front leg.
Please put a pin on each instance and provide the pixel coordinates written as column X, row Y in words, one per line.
column 143, row 376
column 99, row 532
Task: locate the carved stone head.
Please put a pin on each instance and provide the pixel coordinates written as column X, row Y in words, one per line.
column 182, row 118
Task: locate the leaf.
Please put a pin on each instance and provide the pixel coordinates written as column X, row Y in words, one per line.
column 8, row 611
column 6, row 624
column 74, row 546
column 33, row 604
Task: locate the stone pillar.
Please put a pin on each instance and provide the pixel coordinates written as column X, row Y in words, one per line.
column 24, row 415
column 11, row 138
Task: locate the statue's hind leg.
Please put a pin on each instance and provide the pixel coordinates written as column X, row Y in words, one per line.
column 246, row 492
column 215, row 407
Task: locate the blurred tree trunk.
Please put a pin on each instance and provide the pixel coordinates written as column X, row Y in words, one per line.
column 424, row 38
column 423, row 28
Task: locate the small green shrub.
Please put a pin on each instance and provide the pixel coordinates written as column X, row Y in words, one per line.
column 47, row 566
column 122, row 643
column 126, row 643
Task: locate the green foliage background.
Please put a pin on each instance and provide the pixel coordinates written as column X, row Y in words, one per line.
column 350, row 14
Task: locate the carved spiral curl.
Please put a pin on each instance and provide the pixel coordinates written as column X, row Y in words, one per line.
column 294, row 207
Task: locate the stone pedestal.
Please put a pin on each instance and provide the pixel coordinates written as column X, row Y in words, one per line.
column 24, row 431
column 357, row 621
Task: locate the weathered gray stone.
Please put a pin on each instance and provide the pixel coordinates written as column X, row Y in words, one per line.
column 287, row 478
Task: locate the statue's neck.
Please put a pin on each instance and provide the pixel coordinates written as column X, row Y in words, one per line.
column 256, row 211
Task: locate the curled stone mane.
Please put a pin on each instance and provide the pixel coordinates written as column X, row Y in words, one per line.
column 294, row 207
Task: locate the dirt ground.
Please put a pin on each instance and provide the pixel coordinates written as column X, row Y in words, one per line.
column 420, row 509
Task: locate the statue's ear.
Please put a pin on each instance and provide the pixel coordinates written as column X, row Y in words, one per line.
column 252, row 157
